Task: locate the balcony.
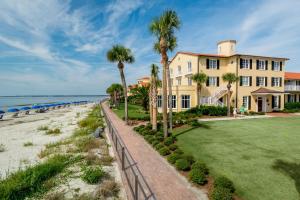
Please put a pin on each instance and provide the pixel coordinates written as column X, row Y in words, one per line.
column 292, row 88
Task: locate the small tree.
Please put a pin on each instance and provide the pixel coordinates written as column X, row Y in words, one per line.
column 153, row 95
column 230, row 78
column 199, row 78
column 121, row 55
column 115, row 91
column 141, row 96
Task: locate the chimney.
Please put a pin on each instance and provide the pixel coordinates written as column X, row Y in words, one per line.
column 226, row 47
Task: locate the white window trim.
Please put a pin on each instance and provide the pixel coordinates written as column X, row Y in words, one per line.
column 264, row 81
column 276, row 85
column 213, row 64
column 277, row 102
column 247, row 62
column 173, row 99
column 189, row 100
column 215, row 81
column 248, row 77
column 277, row 65
column 262, row 62
column 189, row 80
column 189, row 66
column 247, row 102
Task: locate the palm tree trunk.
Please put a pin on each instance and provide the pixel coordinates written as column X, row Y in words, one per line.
column 164, row 61
column 170, row 100
column 154, row 106
column 228, row 101
column 125, row 93
column 115, row 98
column 150, row 102
column 199, row 93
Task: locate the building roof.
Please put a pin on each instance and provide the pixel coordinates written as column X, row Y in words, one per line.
column 222, row 56
column 143, row 78
column 292, row 76
column 266, row 91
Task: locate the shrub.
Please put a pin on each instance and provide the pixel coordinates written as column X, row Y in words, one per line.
column 159, row 146
column 292, row 106
column 197, row 176
column 168, row 141
column 173, row 147
column 154, row 142
column 107, row 189
column 81, row 132
column 43, row 128
column 164, row 151
column 223, row 182
column 182, row 164
column 23, row 183
column 201, row 166
column 27, row 144
column 2, row 148
column 173, row 157
column 189, row 158
column 55, row 131
column 220, row 193
column 178, row 151
column 148, row 138
column 87, row 143
column 92, row 175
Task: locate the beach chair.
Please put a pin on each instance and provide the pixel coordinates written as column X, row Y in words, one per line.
column 1, row 114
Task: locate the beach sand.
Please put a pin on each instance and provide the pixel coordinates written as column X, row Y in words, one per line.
column 14, row 133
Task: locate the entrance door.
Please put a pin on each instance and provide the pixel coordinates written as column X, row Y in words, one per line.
column 259, row 104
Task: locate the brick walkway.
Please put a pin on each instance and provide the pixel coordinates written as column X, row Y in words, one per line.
column 163, row 179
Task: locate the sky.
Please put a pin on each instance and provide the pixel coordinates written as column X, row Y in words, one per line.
column 58, row 47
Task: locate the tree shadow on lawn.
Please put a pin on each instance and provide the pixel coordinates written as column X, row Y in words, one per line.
column 205, row 126
column 290, row 169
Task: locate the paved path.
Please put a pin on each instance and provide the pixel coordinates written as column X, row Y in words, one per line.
column 232, row 118
column 163, row 179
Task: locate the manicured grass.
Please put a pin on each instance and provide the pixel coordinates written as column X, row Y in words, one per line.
column 134, row 111
column 260, row 156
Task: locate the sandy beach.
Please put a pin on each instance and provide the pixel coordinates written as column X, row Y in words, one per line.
column 14, row 133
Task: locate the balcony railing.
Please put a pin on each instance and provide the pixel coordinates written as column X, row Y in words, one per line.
column 292, row 87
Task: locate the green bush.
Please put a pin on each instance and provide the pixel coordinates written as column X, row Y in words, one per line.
column 201, row 166
column 159, row 146
column 197, row 176
column 169, row 140
column 155, row 142
column 164, row 151
column 208, row 110
column 182, row 164
column 189, row 158
column 173, row 157
column 149, row 138
column 92, row 175
column 178, row 151
column 292, row 106
column 55, row 131
column 223, row 182
column 173, row 147
column 24, row 183
column 220, row 193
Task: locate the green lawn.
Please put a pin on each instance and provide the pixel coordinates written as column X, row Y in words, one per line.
column 134, row 111
column 261, row 156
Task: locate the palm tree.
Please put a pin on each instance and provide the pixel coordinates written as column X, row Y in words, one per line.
column 141, row 95
column 121, row 55
column 115, row 91
column 153, row 95
column 229, row 78
column 199, row 78
column 163, row 28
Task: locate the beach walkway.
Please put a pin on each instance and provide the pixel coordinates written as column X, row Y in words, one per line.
column 163, row 179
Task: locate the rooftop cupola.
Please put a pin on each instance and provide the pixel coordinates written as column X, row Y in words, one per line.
column 226, row 47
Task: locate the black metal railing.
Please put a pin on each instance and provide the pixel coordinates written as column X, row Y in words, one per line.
column 139, row 188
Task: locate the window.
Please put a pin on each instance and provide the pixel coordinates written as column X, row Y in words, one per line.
column 213, row 64
column 245, row 64
column 276, row 82
column 159, row 101
column 190, row 80
column 185, row 101
column 179, row 81
column 261, row 65
column 246, row 102
column 189, row 66
column 276, row 66
column 173, row 101
column 245, row 81
column 275, row 101
column 212, row 81
column 179, row 69
column 261, row 81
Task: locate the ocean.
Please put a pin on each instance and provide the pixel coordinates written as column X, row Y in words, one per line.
column 19, row 101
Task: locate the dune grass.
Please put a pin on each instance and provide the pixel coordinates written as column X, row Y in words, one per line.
column 27, row 144
column 261, row 156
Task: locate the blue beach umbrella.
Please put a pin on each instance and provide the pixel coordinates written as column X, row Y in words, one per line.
column 36, row 107
column 25, row 108
column 12, row 110
column 2, row 112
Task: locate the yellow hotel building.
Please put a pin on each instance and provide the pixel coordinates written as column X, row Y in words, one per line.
column 260, row 87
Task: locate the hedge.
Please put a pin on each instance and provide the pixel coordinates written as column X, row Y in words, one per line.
column 292, row 105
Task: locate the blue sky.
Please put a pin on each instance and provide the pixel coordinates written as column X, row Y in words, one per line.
column 59, row 46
